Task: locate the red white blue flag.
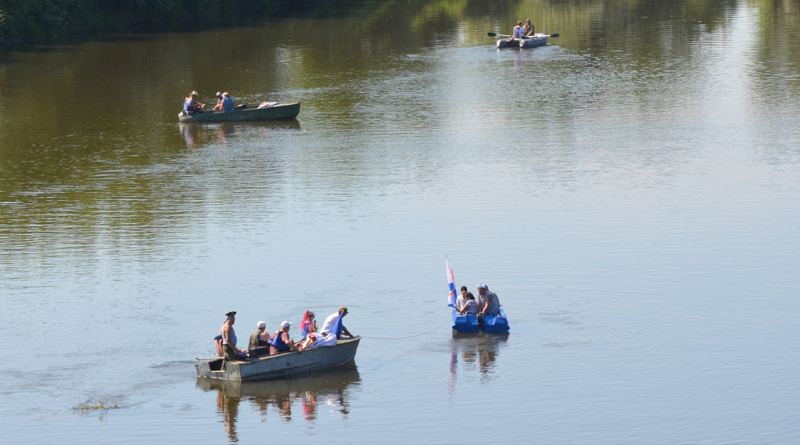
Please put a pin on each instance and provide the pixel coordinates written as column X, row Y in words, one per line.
column 451, row 280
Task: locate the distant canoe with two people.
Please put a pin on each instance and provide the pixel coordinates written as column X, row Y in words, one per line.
column 265, row 112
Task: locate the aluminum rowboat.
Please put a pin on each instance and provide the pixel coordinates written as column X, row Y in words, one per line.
column 281, row 365
column 282, row 110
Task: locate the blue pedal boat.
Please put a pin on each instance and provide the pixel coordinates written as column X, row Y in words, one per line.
column 471, row 324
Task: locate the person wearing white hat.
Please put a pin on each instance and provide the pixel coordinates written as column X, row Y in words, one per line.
column 259, row 337
column 281, row 342
column 218, row 106
column 489, row 302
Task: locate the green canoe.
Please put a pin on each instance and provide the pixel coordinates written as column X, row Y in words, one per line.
column 281, row 110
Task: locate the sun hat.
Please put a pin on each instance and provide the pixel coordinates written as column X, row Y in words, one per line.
column 285, row 324
column 261, row 324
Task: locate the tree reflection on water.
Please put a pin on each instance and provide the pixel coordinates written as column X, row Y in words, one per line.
column 480, row 349
column 330, row 388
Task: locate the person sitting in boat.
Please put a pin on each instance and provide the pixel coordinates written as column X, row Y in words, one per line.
column 308, row 325
column 229, row 349
column 527, row 30
column 490, row 303
column 329, row 327
column 462, row 299
column 227, row 102
column 218, row 106
column 191, row 105
column 471, row 306
column 516, row 34
column 259, row 338
column 281, row 342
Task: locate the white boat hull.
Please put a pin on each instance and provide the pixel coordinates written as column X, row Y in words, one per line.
column 530, row 42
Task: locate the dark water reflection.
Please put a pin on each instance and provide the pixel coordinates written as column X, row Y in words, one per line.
column 475, row 353
column 197, row 134
column 294, row 399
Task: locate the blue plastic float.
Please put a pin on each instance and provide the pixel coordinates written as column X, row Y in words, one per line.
column 471, row 324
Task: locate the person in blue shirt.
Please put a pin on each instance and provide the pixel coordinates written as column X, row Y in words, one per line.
column 227, row 102
column 224, row 102
column 191, row 105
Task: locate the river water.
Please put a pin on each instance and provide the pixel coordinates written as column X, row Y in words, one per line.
column 630, row 192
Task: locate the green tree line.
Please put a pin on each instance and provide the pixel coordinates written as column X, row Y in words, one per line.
column 57, row 20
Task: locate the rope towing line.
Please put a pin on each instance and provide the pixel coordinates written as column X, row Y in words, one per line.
column 410, row 336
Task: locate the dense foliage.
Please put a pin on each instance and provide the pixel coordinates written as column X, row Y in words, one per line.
column 50, row 20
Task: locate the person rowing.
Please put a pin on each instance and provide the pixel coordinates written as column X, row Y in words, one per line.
column 516, row 34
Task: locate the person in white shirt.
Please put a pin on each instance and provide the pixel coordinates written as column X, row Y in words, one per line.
column 470, row 307
column 330, row 323
column 462, row 299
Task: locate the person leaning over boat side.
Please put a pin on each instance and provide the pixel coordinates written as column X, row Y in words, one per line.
column 471, row 306
column 231, row 352
column 527, row 30
column 281, row 342
column 462, row 299
column 330, row 323
column 257, row 339
column 191, row 105
column 490, row 302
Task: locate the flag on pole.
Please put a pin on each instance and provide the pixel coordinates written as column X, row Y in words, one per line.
column 451, row 280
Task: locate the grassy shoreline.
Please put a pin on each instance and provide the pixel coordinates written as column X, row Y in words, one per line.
column 53, row 21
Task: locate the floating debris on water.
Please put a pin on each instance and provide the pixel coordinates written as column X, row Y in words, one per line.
column 90, row 405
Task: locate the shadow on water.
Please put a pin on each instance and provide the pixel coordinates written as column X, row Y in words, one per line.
column 330, row 389
column 200, row 134
column 476, row 351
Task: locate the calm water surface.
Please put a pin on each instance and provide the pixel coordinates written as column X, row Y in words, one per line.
column 630, row 192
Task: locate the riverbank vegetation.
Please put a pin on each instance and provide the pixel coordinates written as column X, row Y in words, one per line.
column 58, row 20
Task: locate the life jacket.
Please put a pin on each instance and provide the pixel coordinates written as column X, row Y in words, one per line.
column 187, row 105
column 277, row 342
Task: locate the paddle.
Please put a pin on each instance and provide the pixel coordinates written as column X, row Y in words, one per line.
column 491, row 34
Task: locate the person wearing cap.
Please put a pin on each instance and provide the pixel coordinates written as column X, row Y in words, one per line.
column 490, row 303
column 218, row 106
column 259, row 337
column 229, row 349
column 224, row 102
column 462, row 299
column 329, row 326
column 191, row 105
column 281, row 342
